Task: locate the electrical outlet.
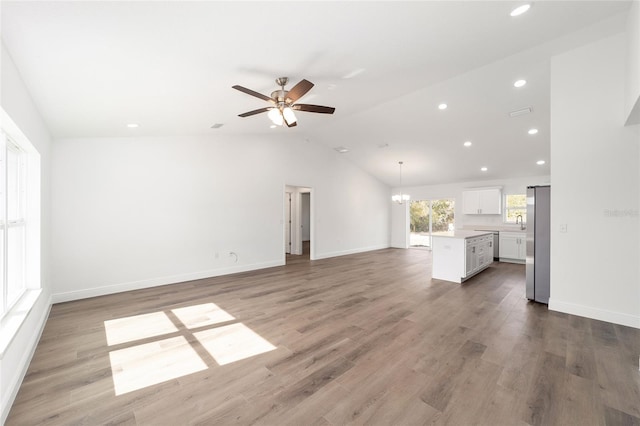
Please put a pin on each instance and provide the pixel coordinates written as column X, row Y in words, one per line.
column 563, row 228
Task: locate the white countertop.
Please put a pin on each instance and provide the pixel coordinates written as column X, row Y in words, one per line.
column 461, row 233
column 499, row 228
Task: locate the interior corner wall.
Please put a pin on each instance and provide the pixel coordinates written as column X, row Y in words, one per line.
column 138, row 212
column 596, row 186
column 17, row 103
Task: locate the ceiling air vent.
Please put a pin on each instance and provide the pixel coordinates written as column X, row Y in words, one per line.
column 522, row 111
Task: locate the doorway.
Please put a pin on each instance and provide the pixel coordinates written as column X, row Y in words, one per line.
column 298, row 226
column 427, row 217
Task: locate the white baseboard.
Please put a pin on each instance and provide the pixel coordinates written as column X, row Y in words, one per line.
column 352, row 251
column 595, row 313
column 154, row 282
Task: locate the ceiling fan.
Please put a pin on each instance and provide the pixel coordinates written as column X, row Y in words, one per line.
column 284, row 102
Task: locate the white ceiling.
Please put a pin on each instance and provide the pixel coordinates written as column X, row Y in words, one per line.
column 94, row 66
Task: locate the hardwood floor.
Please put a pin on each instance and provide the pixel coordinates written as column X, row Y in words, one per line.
column 361, row 339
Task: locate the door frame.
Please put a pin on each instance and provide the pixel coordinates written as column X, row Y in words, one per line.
column 296, row 218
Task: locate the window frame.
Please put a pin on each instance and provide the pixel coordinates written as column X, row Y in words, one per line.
column 18, row 294
column 13, row 220
column 507, row 209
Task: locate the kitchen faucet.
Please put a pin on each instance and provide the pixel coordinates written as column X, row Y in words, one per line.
column 522, row 228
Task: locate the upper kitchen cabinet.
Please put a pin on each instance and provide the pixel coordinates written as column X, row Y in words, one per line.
column 482, row 201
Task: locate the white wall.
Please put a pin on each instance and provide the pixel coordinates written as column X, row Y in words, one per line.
column 138, row 212
column 399, row 225
column 454, row 191
column 632, row 105
column 596, row 186
column 18, row 104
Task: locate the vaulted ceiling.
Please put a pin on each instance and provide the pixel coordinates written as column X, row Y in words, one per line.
column 93, row 67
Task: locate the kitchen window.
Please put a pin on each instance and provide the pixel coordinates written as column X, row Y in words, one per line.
column 514, row 205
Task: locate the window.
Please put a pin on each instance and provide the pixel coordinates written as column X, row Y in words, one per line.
column 19, row 217
column 14, row 222
column 427, row 217
column 515, row 205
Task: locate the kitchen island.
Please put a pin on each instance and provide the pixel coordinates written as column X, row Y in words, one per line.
column 459, row 255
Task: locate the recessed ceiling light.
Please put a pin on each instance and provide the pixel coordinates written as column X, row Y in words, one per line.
column 483, row 169
column 520, row 9
column 442, row 106
column 341, row 149
column 133, row 125
column 520, row 83
column 467, row 143
column 532, row 131
column 540, row 162
column 217, row 125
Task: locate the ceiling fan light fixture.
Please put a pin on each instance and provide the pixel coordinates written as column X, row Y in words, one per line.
column 288, row 115
column 275, row 116
column 284, row 102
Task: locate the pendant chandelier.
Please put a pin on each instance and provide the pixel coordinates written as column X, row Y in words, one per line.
column 400, row 198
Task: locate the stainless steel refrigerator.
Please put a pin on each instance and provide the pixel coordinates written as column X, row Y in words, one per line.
column 538, row 243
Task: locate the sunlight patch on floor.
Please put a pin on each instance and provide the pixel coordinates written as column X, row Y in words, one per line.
column 232, row 343
column 201, row 315
column 145, row 364
column 129, row 329
column 151, row 363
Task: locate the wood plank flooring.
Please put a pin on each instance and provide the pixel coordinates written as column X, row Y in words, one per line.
column 362, row 339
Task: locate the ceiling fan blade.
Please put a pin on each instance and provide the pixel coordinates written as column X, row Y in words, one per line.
column 254, row 93
column 314, row 108
column 299, row 90
column 254, row 112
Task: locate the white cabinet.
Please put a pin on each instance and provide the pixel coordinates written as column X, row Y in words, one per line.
column 478, row 255
column 482, row 201
column 471, row 258
column 460, row 256
column 513, row 247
